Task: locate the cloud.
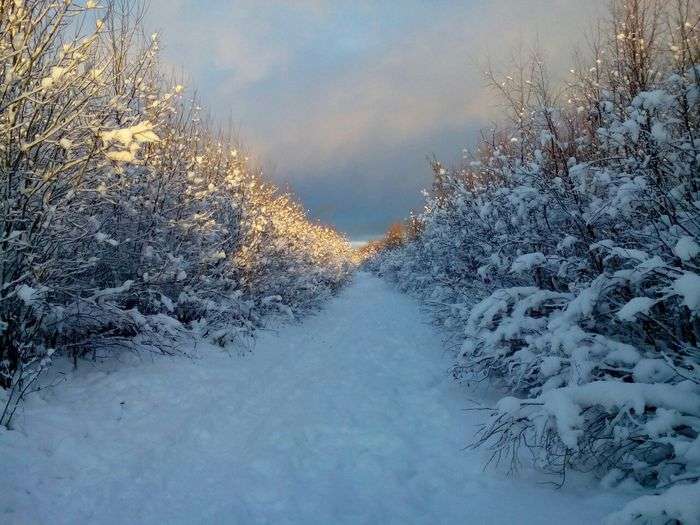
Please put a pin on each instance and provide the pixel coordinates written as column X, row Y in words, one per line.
column 347, row 98
column 248, row 60
column 229, row 45
column 419, row 80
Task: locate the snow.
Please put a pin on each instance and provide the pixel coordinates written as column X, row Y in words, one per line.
column 653, row 100
column 27, row 294
column 663, row 422
column 625, row 355
column 140, row 133
column 637, row 305
column 686, row 248
column 110, row 292
column 348, row 417
column 550, row 365
column 680, row 503
column 652, row 371
column 121, row 156
column 527, row 262
column 632, row 127
column 659, row 133
column 130, row 138
column 688, row 287
column 509, row 405
column 566, row 404
column 56, row 75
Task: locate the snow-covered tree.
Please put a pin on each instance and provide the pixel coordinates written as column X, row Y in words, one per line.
column 564, row 255
column 124, row 219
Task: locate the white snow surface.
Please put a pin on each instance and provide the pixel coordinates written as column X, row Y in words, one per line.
column 349, row 417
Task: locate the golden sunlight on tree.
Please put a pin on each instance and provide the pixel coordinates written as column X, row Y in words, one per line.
column 120, row 205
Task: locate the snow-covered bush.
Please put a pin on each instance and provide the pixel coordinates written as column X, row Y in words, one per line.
column 123, row 219
column 564, row 256
column 679, row 504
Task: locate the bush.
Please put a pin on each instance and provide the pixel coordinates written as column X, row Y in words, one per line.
column 564, row 256
column 124, row 219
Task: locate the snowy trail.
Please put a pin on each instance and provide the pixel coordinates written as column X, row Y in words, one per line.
column 349, row 417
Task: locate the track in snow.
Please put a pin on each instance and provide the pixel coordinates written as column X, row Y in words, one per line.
column 348, row 417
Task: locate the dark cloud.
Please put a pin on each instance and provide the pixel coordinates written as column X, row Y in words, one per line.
column 346, row 99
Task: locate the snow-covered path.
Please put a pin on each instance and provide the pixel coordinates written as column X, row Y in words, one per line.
column 348, row 417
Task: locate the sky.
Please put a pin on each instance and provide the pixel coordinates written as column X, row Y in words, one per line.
column 342, row 102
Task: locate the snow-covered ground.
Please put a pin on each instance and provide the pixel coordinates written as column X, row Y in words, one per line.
column 349, row 417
